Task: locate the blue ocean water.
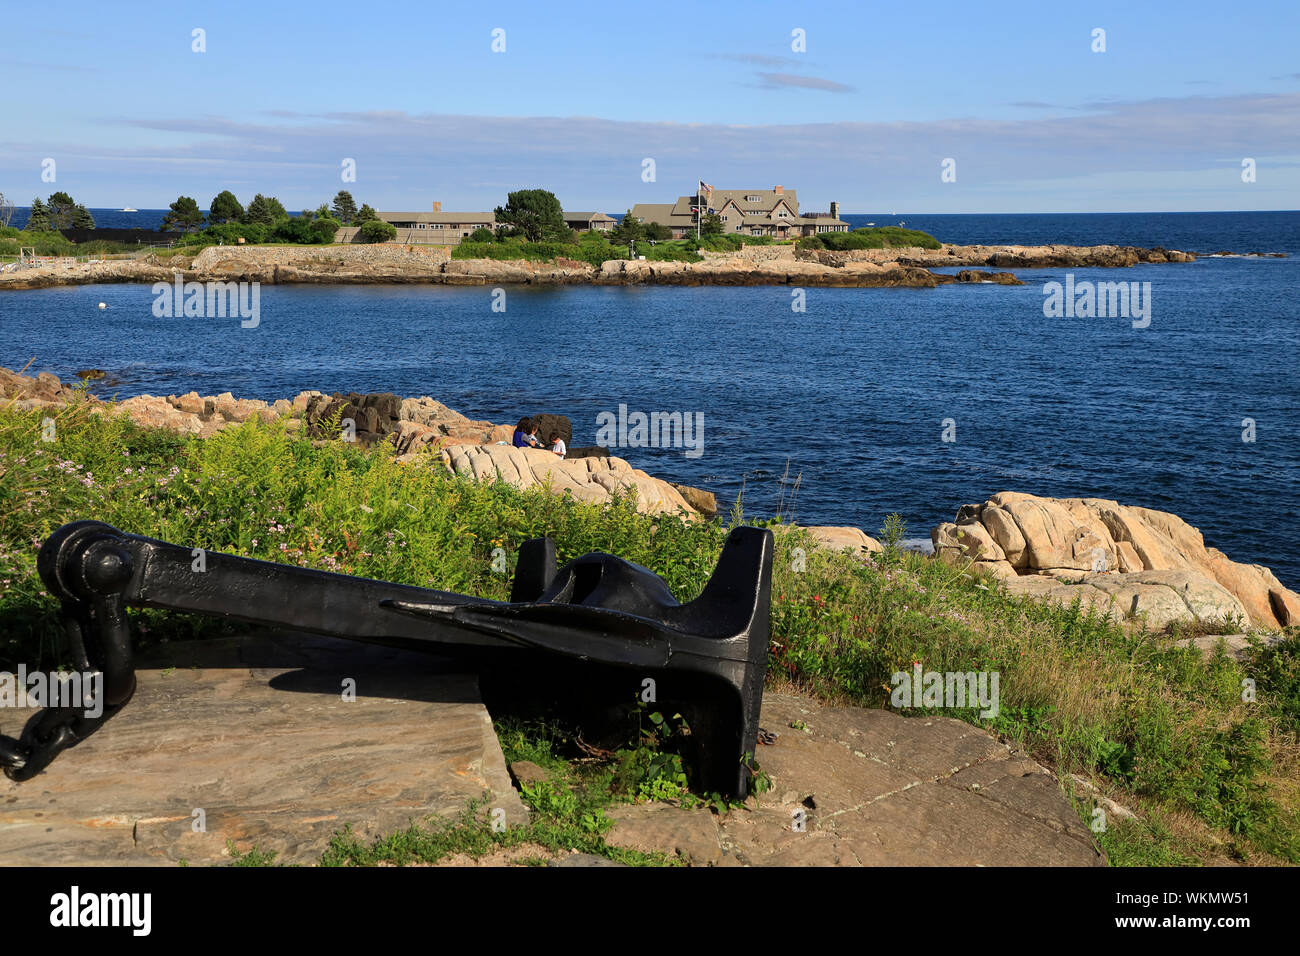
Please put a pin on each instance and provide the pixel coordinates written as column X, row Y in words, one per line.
column 850, row 395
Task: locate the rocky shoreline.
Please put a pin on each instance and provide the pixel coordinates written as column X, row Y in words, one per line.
column 752, row 265
column 1125, row 561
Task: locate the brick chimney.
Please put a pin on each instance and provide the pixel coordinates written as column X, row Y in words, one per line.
column 835, row 210
column 437, row 207
column 778, row 189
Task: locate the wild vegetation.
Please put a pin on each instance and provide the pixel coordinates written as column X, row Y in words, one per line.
column 1157, row 727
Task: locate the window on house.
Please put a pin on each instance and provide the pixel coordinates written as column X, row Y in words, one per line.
column 753, row 199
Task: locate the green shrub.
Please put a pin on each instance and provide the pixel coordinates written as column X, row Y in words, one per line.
column 324, row 228
column 376, row 230
column 515, row 247
column 878, row 237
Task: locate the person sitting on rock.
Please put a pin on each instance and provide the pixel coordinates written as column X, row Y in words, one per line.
column 525, row 434
column 557, row 444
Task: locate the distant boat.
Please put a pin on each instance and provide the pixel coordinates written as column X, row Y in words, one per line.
column 871, row 224
column 129, row 209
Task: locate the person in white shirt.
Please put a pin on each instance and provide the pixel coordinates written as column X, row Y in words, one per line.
column 557, row 445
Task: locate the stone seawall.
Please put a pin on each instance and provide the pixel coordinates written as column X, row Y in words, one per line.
column 751, row 265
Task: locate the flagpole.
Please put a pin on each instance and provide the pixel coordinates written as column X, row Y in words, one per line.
column 699, row 207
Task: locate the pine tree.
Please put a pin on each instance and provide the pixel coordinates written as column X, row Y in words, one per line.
column 225, row 208
column 184, row 215
column 264, row 209
column 39, row 221
column 628, row 229
column 61, row 210
column 364, row 214
column 82, row 219
column 345, row 207
column 534, row 213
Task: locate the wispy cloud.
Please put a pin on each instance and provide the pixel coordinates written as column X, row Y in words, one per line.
column 404, row 159
column 758, row 59
column 782, row 80
column 60, row 67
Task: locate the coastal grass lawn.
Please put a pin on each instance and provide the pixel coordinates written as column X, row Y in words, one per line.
column 595, row 248
column 1156, row 728
column 590, row 248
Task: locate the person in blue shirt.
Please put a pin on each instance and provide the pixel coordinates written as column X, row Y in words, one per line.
column 525, row 434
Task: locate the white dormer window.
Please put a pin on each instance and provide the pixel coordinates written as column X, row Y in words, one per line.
column 753, row 199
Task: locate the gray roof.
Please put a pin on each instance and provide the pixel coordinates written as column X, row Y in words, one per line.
column 587, row 217
column 662, row 213
column 767, row 200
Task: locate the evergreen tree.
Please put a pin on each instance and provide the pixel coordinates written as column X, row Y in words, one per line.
column 185, row 215
column 61, row 210
column 39, row 221
column 264, row 209
column 225, row 208
column 534, row 213
column 364, row 214
column 711, row 225
column 628, row 230
column 345, row 207
column 82, row 219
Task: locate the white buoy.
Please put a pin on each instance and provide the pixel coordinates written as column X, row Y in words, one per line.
column 103, row 305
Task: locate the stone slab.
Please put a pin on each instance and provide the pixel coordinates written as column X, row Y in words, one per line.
column 879, row 789
column 255, row 732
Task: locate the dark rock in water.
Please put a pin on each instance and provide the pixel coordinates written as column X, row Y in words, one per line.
column 548, row 423
column 90, row 373
column 999, row 278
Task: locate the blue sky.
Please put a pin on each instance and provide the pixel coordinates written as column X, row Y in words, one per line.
column 584, row 93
